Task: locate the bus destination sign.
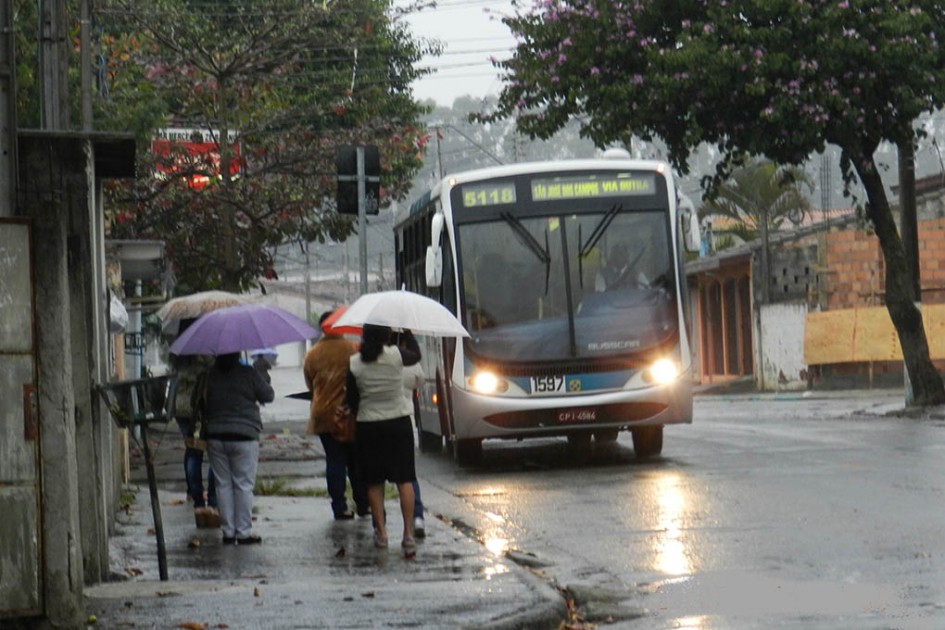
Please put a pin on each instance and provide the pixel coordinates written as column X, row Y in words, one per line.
column 592, row 186
column 488, row 194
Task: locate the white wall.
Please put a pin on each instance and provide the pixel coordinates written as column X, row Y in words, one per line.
column 779, row 347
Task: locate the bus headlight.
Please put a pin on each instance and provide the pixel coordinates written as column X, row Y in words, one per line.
column 487, row 383
column 662, row 371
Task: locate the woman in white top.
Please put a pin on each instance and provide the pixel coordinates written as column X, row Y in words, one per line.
column 375, row 395
column 413, row 380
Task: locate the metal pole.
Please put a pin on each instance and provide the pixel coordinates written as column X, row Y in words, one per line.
column 308, row 286
column 362, row 221
column 155, row 504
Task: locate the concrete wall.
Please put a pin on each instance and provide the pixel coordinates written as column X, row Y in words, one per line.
column 779, row 347
column 51, row 176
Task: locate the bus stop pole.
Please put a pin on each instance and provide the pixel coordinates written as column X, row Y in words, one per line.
column 155, row 504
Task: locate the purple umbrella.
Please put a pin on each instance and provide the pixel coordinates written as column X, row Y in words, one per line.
column 244, row 327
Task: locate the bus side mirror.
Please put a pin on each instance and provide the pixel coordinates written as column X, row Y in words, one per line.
column 434, row 262
column 434, row 267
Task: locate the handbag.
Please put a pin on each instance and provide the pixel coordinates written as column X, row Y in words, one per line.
column 343, row 424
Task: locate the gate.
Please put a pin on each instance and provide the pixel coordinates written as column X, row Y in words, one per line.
column 20, row 532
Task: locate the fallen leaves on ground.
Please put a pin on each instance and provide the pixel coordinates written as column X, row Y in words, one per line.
column 575, row 621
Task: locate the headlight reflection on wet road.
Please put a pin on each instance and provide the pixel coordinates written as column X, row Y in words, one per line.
column 494, row 537
column 671, row 555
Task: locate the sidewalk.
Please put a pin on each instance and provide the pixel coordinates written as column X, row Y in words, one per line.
column 310, row 571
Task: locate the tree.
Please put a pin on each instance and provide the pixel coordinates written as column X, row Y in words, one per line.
column 778, row 78
column 270, row 89
column 757, row 191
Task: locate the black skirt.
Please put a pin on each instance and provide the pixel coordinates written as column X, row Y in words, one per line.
column 385, row 451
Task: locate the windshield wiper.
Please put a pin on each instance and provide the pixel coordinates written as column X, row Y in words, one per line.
column 526, row 238
column 529, row 241
column 599, row 230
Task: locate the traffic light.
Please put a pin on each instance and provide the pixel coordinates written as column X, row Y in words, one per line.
column 346, row 161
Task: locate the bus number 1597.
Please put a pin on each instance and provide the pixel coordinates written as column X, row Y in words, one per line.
column 547, row 384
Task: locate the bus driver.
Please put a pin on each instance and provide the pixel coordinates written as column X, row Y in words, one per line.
column 619, row 272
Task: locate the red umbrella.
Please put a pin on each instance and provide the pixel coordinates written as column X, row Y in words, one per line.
column 329, row 328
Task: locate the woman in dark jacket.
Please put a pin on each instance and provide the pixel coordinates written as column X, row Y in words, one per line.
column 234, row 392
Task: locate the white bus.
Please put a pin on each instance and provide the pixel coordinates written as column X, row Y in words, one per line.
column 568, row 276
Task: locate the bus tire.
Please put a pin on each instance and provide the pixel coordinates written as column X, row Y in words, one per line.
column 467, row 452
column 430, row 442
column 647, row 441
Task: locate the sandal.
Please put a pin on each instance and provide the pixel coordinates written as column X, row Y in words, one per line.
column 380, row 541
column 409, row 545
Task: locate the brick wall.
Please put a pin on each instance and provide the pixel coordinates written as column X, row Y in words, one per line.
column 854, row 271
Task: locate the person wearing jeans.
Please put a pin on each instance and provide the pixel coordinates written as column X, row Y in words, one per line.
column 324, row 368
column 234, row 392
column 188, row 369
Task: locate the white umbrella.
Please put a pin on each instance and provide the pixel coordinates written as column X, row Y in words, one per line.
column 194, row 305
column 403, row 309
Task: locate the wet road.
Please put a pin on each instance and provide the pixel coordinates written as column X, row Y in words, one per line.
column 785, row 512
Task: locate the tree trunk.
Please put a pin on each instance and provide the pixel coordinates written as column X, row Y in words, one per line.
column 927, row 385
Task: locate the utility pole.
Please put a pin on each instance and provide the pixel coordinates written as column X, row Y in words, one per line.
column 439, row 155
column 7, row 112
column 308, row 285
column 85, row 65
column 54, row 64
column 362, row 222
column 909, row 229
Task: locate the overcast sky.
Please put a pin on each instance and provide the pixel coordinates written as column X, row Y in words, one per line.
column 471, row 33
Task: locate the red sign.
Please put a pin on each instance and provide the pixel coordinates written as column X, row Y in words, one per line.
column 194, row 150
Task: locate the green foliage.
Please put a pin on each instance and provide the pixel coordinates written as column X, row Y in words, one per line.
column 778, row 78
column 773, row 78
column 282, row 487
column 275, row 87
column 760, row 189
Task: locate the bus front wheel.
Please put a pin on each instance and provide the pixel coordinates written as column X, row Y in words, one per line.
column 467, row 452
column 647, row 441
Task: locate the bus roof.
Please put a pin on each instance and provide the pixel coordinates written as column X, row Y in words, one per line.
column 525, row 168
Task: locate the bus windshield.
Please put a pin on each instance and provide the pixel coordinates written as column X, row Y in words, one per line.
column 571, row 286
